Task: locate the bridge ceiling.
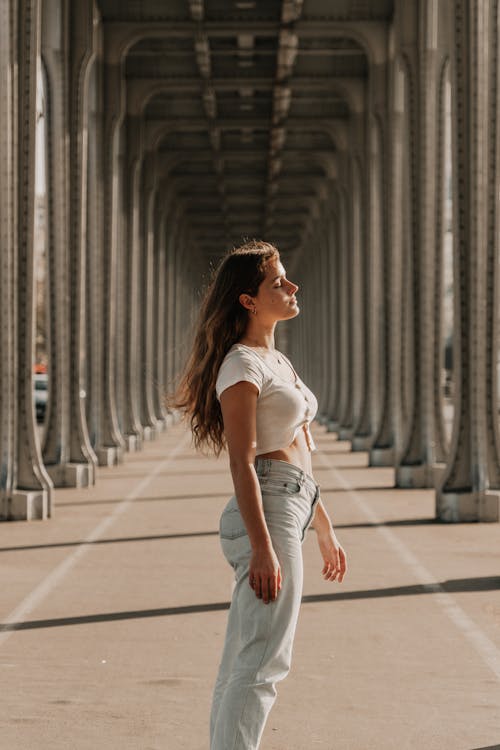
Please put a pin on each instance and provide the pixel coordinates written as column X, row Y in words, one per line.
column 243, row 100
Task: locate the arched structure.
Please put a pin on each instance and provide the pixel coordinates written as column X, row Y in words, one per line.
column 178, row 130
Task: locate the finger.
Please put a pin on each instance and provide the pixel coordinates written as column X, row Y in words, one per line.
column 343, row 565
column 265, row 591
column 258, row 587
column 330, row 567
column 279, row 579
column 273, row 588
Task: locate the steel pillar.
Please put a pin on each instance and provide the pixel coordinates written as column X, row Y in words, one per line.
column 81, row 59
column 159, row 307
column 111, row 445
column 345, row 425
column 333, row 294
column 466, row 493
column 134, row 433
column 32, row 498
column 362, row 437
column 8, row 259
column 56, row 447
column 148, row 195
column 417, row 463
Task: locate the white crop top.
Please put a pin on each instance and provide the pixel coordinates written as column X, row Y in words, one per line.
column 283, row 407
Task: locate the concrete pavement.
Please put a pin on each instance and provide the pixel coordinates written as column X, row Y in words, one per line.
column 114, row 613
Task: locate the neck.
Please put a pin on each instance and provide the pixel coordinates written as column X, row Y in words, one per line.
column 258, row 335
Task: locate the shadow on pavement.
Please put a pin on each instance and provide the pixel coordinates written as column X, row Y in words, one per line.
column 487, row 583
column 83, row 503
column 153, row 537
column 395, row 522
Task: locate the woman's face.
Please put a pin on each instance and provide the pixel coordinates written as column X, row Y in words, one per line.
column 275, row 298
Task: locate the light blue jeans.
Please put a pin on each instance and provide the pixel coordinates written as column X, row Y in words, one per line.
column 259, row 637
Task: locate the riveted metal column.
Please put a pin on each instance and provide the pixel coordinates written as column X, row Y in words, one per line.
column 148, row 417
column 442, row 136
column 321, row 357
column 178, row 322
column 8, row 255
column 345, row 426
column 112, row 111
column 309, row 314
column 312, row 369
column 362, row 437
column 354, row 300
column 334, row 317
column 132, row 420
column 493, row 253
column 173, row 239
column 171, row 268
column 303, row 359
column 375, row 306
column 94, row 268
column 56, row 448
column 159, row 309
column 82, row 46
column 121, row 287
column 403, row 208
column 183, row 313
column 32, row 498
column 383, row 450
column 416, row 468
column 465, row 494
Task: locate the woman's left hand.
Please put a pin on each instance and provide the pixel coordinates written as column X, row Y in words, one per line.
column 333, row 555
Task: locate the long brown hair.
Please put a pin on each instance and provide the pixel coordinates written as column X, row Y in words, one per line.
column 221, row 323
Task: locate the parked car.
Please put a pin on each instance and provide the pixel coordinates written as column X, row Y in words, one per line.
column 41, row 391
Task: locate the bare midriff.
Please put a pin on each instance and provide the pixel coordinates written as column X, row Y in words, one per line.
column 298, row 453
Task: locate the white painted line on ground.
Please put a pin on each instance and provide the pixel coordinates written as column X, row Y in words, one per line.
column 49, row 583
column 487, row 650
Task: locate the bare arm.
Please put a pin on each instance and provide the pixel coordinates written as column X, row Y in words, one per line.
column 239, row 407
column 334, row 557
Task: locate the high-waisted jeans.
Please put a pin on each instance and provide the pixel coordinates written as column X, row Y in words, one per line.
column 259, row 637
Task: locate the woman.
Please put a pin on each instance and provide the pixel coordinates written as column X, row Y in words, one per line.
column 241, row 392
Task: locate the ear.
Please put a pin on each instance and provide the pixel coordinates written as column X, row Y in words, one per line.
column 246, row 301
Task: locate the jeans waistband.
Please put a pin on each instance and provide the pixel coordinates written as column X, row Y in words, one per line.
column 275, row 467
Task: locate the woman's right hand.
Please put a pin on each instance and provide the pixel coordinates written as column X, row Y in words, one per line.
column 265, row 574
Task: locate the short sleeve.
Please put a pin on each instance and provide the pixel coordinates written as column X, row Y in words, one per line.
column 237, row 366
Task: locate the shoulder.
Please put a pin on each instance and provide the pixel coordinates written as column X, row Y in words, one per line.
column 239, row 364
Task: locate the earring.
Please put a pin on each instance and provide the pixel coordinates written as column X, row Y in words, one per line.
column 254, row 311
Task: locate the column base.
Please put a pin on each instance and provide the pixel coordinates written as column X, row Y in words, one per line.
column 109, row 455
column 382, row 457
column 170, row 419
column 161, row 425
column 133, row 443
column 71, row 474
column 322, row 419
column 414, row 476
column 346, row 433
column 332, row 425
column 438, row 471
column 456, row 507
column 27, row 505
column 361, row 442
column 149, row 433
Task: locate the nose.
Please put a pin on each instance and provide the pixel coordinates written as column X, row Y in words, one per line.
column 294, row 287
